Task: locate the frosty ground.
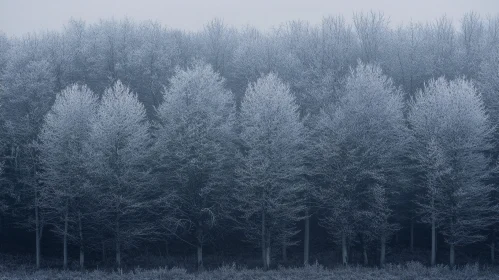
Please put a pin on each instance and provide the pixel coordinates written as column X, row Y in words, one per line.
column 412, row 270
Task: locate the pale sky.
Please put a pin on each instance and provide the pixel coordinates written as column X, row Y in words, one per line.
column 18, row 17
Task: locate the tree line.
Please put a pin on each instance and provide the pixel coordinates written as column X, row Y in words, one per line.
column 117, row 133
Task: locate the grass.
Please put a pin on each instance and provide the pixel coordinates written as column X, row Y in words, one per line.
column 410, row 270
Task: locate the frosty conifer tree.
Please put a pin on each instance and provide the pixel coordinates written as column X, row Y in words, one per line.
column 195, row 146
column 64, row 134
column 359, row 142
column 270, row 170
column 448, row 118
column 119, row 147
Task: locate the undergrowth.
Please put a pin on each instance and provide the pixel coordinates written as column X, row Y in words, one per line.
column 408, row 271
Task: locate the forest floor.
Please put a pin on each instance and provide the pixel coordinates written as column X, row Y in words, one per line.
column 411, row 270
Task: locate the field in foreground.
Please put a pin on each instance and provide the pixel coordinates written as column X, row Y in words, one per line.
column 412, row 270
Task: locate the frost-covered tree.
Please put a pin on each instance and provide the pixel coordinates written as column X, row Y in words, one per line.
column 371, row 30
column 442, row 47
column 488, row 85
column 357, row 148
column 409, row 64
column 119, row 147
column 218, row 42
column 6, row 188
column 432, row 170
column 195, row 149
column 64, row 134
column 269, row 174
column 248, row 61
column 471, row 40
column 28, row 92
column 451, row 132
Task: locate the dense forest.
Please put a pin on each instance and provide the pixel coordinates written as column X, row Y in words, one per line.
column 347, row 142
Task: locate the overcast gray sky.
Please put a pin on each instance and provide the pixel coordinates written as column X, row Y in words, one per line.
column 21, row 16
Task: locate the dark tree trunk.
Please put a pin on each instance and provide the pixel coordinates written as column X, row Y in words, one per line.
column 82, row 259
column 493, row 247
column 436, row 240
column 82, row 251
column 167, row 248
column 284, row 252
column 382, row 250
column 412, row 235
column 199, row 233
column 344, row 256
column 267, row 255
column 492, row 252
column 65, row 249
column 103, row 251
column 118, row 254
column 433, row 243
column 452, row 255
column 200, row 257
column 118, row 245
column 306, row 240
column 264, row 243
column 38, row 236
column 364, row 250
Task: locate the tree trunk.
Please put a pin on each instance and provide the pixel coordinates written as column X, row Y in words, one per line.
column 199, row 232
column 103, row 251
column 306, row 240
column 433, row 243
column 412, row 236
column 118, row 245
column 268, row 256
column 118, row 253
column 493, row 247
column 436, row 240
column 82, row 259
column 267, row 248
column 82, row 252
column 38, row 237
column 349, row 251
column 65, row 250
column 364, row 252
column 264, row 244
column 200, row 257
column 492, row 252
column 38, row 251
column 284, row 252
column 344, row 256
column 382, row 250
column 167, row 249
column 452, row 256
